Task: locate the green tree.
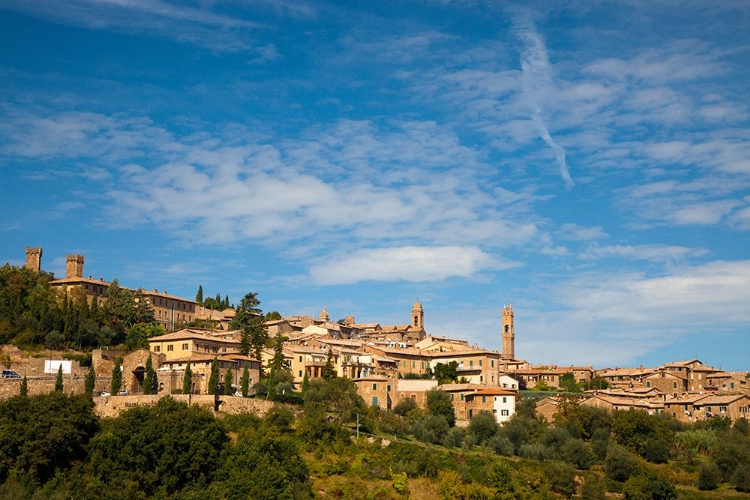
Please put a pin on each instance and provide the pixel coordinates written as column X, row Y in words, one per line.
column 149, row 380
column 439, row 403
column 213, row 379
column 446, row 373
column 90, row 381
column 116, row 382
column 161, row 449
column 329, row 371
column 137, row 335
column 24, row 386
column 228, row 382
column 187, row 380
column 483, row 426
column 568, row 383
column 59, row 380
column 245, row 384
column 199, row 295
column 44, row 435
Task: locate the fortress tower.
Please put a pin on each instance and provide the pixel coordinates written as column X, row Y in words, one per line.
column 73, row 266
column 34, row 258
column 508, row 334
column 417, row 316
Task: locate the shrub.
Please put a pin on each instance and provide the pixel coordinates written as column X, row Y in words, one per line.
column 620, row 464
column 593, row 488
column 577, row 453
column 741, row 478
column 455, row 437
column 431, row 429
column 562, row 478
column 501, row 445
column 656, row 451
column 709, row 476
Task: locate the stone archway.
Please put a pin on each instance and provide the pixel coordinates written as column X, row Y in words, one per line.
column 139, row 373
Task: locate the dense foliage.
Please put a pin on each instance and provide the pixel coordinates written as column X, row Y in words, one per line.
column 35, row 315
column 53, row 446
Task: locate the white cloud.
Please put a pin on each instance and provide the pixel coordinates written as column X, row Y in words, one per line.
column 654, row 253
column 416, row 264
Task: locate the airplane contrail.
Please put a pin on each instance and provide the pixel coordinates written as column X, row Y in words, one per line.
column 535, row 69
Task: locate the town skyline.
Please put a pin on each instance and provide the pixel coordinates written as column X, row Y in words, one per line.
column 589, row 165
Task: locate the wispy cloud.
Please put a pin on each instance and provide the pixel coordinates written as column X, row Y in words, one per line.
column 536, row 78
column 200, row 26
column 654, row 253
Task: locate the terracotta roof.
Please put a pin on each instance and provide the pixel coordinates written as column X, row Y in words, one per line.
column 492, row 391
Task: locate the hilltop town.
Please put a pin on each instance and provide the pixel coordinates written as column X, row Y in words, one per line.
column 387, row 363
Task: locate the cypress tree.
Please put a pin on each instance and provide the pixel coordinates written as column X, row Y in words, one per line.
column 116, row 377
column 149, row 381
column 59, row 380
column 24, row 387
column 245, row 381
column 328, row 371
column 187, row 380
column 228, row 382
column 199, row 295
column 90, row 381
column 213, row 380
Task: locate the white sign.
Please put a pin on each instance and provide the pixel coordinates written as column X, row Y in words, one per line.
column 53, row 366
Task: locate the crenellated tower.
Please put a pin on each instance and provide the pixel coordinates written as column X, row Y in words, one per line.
column 73, row 266
column 508, row 334
column 34, row 258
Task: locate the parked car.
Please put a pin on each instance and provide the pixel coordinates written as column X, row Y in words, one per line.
column 105, row 394
column 10, row 374
column 123, row 392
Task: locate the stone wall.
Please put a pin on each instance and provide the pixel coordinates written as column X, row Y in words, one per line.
column 111, row 406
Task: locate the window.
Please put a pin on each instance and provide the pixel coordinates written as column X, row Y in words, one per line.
column 157, row 348
column 462, row 397
column 648, row 384
column 723, row 409
column 300, row 359
column 484, row 399
column 184, row 347
column 388, row 388
column 480, row 362
column 413, row 364
column 731, row 384
column 374, row 387
column 170, row 348
column 504, row 413
column 492, row 363
column 674, row 385
column 300, row 373
column 471, row 363
column 505, row 399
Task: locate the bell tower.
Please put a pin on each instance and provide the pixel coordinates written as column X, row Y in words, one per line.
column 508, row 334
column 34, row 259
column 417, row 316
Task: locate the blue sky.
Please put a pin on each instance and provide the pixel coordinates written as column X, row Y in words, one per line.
column 586, row 162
